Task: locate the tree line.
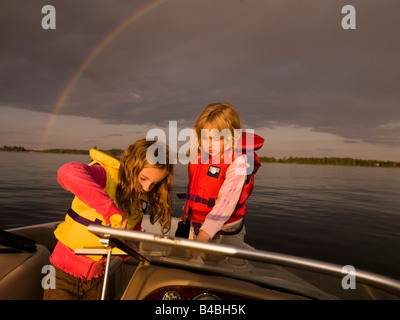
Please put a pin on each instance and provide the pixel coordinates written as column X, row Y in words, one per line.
column 333, row 161
column 317, row 161
column 22, row 149
column 115, row 152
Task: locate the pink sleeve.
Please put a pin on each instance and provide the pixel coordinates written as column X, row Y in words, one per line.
column 87, row 183
column 228, row 198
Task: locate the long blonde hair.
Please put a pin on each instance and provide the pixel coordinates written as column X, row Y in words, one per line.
column 221, row 116
column 129, row 190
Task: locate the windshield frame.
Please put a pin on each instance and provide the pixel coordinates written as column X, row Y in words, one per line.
column 386, row 284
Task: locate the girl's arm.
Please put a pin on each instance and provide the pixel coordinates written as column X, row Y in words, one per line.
column 227, row 200
column 88, row 183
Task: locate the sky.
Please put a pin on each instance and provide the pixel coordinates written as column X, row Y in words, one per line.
column 112, row 70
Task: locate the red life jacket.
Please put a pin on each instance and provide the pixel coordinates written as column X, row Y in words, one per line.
column 206, row 179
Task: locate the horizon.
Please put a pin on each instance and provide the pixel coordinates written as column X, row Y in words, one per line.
column 266, row 157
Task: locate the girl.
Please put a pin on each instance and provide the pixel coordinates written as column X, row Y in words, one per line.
column 219, row 179
column 105, row 190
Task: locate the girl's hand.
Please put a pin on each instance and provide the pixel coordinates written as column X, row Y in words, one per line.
column 183, row 217
column 124, row 223
column 203, row 236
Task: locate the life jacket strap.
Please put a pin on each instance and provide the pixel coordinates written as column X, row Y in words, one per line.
column 210, row 202
column 77, row 218
column 191, row 197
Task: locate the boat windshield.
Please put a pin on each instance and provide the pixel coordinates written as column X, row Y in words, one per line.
column 308, row 278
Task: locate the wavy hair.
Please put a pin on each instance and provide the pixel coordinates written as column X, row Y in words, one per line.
column 132, row 162
column 222, row 116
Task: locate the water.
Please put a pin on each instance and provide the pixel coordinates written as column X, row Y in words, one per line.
column 343, row 215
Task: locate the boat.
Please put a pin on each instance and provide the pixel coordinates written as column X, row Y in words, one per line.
column 165, row 267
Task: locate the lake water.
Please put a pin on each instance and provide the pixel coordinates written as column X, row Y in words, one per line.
column 343, row 215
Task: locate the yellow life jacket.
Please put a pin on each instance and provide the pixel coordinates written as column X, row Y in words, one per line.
column 74, row 234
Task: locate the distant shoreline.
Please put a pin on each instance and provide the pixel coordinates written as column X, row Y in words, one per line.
column 115, row 152
column 22, row 149
column 332, row 161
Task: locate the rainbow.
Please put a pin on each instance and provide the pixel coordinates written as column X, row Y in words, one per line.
column 137, row 14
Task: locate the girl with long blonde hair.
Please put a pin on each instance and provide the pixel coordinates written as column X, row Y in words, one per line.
column 112, row 192
column 220, row 180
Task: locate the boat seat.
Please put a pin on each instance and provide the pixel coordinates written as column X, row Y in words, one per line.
column 20, row 274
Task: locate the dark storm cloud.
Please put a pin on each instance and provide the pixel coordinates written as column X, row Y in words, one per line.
column 280, row 62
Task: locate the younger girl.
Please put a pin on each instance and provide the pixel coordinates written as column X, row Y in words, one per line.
column 104, row 190
column 219, row 180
